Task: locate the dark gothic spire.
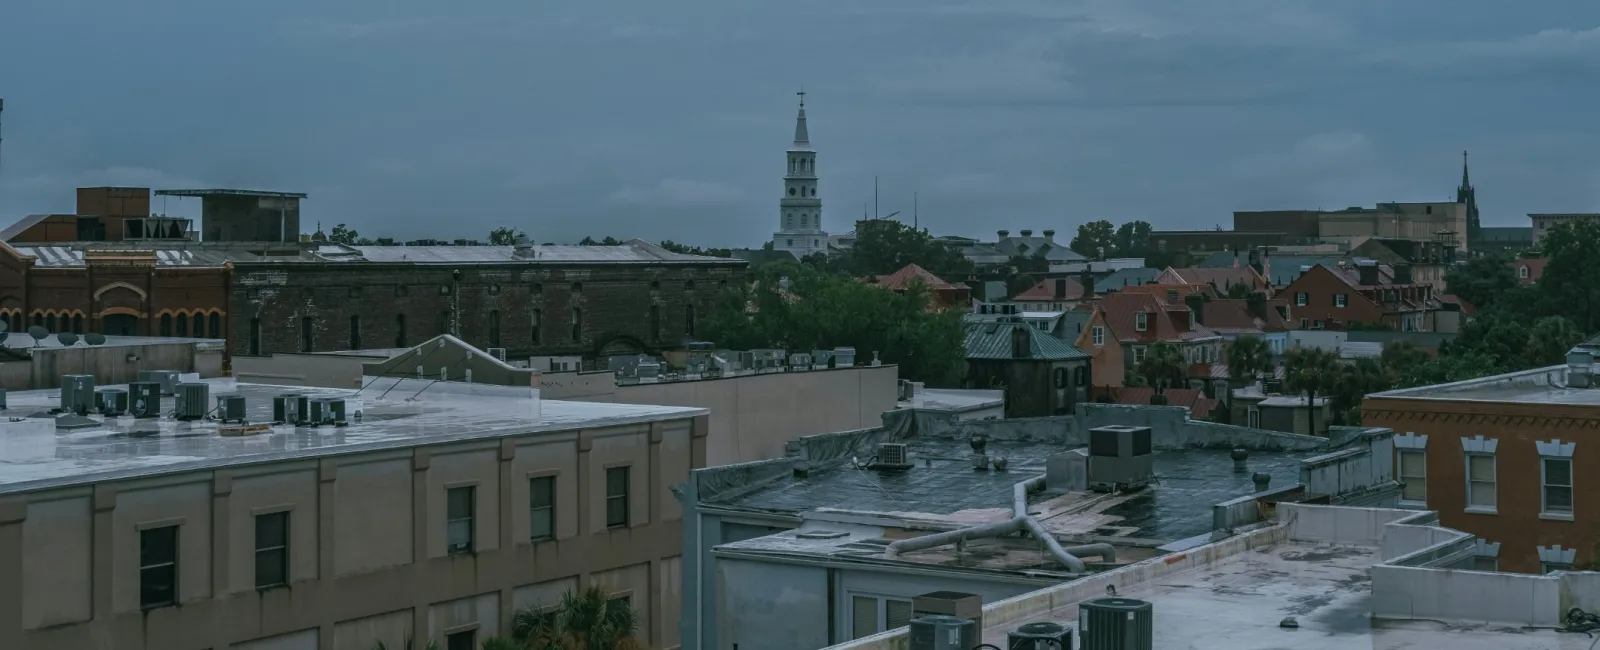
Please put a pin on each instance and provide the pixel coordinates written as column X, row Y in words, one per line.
column 1466, row 180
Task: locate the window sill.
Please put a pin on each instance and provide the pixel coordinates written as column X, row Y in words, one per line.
column 540, row 540
column 1556, row 516
column 1482, row 510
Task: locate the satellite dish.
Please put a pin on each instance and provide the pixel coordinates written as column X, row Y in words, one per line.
column 94, row 338
column 38, row 332
column 67, row 338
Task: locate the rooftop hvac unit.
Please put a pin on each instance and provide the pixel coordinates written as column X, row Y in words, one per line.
column 905, row 390
column 648, row 369
column 111, row 401
column 949, row 603
column 1580, row 369
column 940, row 632
column 1120, row 458
column 1116, row 624
column 892, row 456
column 327, row 411
column 498, row 353
column 800, row 360
column 230, row 408
column 167, row 378
column 193, row 401
column 1040, row 636
column 844, row 357
column 290, row 408
column 77, row 394
column 821, row 358
column 144, row 399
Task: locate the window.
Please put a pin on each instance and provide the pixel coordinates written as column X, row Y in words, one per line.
column 655, row 322
column 688, row 320
column 617, row 497
column 655, row 285
column 1340, row 300
column 444, row 322
column 216, row 325
column 199, row 327
column 1480, row 482
column 255, row 337
column 1253, row 418
column 1522, row 272
column 1061, row 377
column 577, row 324
column 305, row 334
column 494, row 328
column 158, row 567
column 1141, row 321
column 272, row 550
column 1552, row 567
column 458, row 524
column 1487, row 563
column 542, row 508
column 355, row 332
column 789, row 243
column 400, row 330
column 535, row 335
column 538, row 288
column 1082, row 374
column 1414, row 475
column 1301, row 299
column 1303, row 323
column 688, row 285
column 1138, row 354
column 1557, row 481
column 181, row 321
column 166, row 323
column 870, row 615
column 494, row 289
column 1316, row 324
column 1099, row 336
column 467, row 640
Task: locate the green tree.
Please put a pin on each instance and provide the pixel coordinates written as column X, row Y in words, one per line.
column 1132, row 239
column 685, row 249
column 1248, row 357
column 504, row 236
column 795, row 307
column 1310, row 372
column 1095, row 239
column 1482, row 281
column 1572, row 276
column 1163, row 366
column 589, row 619
column 343, row 235
column 1549, row 341
column 1456, row 366
column 608, row 241
column 1352, row 383
column 1398, row 356
column 884, row 246
column 1498, row 335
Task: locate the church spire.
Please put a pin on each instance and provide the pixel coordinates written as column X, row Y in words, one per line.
column 1466, row 181
column 802, row 137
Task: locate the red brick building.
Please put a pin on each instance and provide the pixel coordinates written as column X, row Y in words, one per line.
column 1513, row 459
column 1367, row 293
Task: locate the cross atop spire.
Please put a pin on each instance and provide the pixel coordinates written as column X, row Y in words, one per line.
column 802, row 136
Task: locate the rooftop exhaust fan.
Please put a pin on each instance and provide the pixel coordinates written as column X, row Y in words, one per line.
column 1116, row 624
column 892, row 456
column 1040, row 636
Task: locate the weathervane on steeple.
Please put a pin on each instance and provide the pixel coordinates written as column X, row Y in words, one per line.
column 802, row 95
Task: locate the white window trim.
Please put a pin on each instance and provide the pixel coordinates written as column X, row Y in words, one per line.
column 1555, row 558
column 1486, row 550
column 1138, row 354
column 1301, row 298
column 1341, row 300
column 1479, row 446
column 1522, row 272
column 1099, row 336
column 1556, row 450
column 1141, row 321
column 1399, row 467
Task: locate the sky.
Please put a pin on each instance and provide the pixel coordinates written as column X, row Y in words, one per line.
column 669, row 120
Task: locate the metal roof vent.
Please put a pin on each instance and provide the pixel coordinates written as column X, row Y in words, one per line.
column 821, row 534
column 1116, row 624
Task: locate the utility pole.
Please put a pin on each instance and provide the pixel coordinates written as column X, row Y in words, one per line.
column 916, row 221
column 874, row 197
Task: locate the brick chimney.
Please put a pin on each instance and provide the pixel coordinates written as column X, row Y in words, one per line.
column 1086, row 280
column 1019, row 341
column 1050, row 235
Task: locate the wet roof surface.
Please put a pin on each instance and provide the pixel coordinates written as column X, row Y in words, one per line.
column 1236, row 604
column 35, row 454
column 1178, row 506
column 1538, row 386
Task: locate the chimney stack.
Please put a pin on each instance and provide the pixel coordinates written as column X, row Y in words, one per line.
column 1256, row 302
column 1003, row 233
column 1019, row 342
column 1050, row 235
column 1027, row 233
column 1086, row 279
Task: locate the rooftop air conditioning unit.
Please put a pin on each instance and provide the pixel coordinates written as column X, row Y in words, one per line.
column 1116, row 624
column 940, row 632
column 193, row 401
column 327, row 411
column 648, row 370
column 144, row 399
column 112, row 401
column 1040, row 636
column 498, row 353
column 906, row 390
column 291, row 408
column 230, row 408
column 949, row 603
column 1120, row 458
column 844, row 357
column 1580, row 369
column 821, row 358
column 800, row 361
column 167, row 378
column 77, row 394
column 892, row 456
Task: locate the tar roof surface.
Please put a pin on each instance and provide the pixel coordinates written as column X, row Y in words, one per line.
column 1236, row 604
column 942, row 484
column 34, row 454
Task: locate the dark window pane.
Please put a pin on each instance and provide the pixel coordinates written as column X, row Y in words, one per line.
column 158, row 545
column 462, row 641
column 616, row 481
column 272, row 530
column 542, row 491
column 272, row 568
column 1557, row 471
column 460, row 502
column 157, row 586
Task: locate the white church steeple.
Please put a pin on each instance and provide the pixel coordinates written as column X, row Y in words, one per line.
column 800, row 210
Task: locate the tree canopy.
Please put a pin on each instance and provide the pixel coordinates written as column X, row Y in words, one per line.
column 504, row 236
column 884, row 246
column 795, row 307
column 1095, row 239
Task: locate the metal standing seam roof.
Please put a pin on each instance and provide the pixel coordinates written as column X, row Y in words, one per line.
column 633, row 252
column 71, row 256
column 993, row 341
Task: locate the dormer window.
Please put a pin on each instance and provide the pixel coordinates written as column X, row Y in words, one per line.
column 1522, row 272
column 1141, row 321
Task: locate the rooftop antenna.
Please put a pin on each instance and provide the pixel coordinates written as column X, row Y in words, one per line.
column 874, row 197
column 916, row 222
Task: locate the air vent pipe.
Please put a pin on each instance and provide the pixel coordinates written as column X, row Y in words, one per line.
column 1021, row 520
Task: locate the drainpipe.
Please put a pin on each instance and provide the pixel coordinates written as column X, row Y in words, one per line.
column 1067, row 556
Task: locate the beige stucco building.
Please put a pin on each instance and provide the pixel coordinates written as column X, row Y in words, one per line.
column 1544, row 221
column 435, row 513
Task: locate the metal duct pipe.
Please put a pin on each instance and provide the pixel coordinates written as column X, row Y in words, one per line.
column 1105, row 552
column 1020, row 520
column 952, row 536
column 1073, row 564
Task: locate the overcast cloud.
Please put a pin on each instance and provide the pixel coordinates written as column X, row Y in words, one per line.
column 669, row 120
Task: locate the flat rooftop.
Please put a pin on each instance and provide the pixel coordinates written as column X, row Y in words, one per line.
column 949, row 399
column 942, row 488
column 1538, row 386
column 35, row 454
column 1236, row 603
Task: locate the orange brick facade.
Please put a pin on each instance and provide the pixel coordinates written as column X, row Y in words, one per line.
column 114, row 293
column 1516, row 521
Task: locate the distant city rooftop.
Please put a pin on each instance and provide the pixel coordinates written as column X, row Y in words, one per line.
column 1548, row 385
column 954, row 399
column 636, row 251
column 228, row 192
column 35, row 453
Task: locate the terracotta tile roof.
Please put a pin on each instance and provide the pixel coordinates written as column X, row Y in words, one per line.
column 1234, row 317
column 1173, row 292
column 901, row 279
column 1045, row 290
column 1200, row 406
column 1163, row 321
